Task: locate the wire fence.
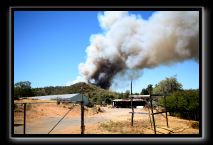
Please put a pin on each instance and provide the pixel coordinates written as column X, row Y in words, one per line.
column 50, row 113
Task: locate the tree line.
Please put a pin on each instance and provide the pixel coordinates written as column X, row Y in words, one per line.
column 180, row 102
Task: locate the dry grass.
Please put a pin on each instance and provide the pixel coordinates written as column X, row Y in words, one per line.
column 176, row 126
column 124, row 127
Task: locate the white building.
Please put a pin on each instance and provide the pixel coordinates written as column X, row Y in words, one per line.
column 64, row 97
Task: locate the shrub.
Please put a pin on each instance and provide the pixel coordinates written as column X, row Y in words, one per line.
column 195, row 124
column 90, row 104
column 184, row 104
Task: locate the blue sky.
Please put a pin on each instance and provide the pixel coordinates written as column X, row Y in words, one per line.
column 49, row 45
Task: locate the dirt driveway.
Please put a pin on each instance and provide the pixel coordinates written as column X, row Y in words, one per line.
column 38, row 122
column 42, row 118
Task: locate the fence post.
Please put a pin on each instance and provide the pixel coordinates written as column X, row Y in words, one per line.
column 82, row 115
column 132, row 103
column 132, row 111
column 24, row 118
column 153, row 118
column 149, row 115
column 166, row 110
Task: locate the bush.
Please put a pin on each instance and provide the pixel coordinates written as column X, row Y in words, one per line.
column 90, row 104
column 195, row 124
column 184, row 104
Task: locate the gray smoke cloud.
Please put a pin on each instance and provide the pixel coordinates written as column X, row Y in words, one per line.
column 129, row 42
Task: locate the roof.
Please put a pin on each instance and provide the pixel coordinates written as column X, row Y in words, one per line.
column 49, row 97
column 119, row 100
column 139, row 96
column 126, row 100
column 144, row 96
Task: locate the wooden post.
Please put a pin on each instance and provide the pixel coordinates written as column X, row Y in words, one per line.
column 150, row 116
column 166, row 110
column 153, row 118
column 82, row 115
column 132, row 104
column 132, row 111
column 24, row 118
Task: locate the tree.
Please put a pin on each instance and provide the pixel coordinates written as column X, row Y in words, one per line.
column 144, row 92
column 184, row 103
column 23, row 84
column 120, row 95
column 22, row 89
column 126, row 94
column 148, row 90
column 39, row 92
column 167, row 86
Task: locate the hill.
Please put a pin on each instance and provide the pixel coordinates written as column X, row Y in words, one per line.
column 85, row 88
column 95, row 94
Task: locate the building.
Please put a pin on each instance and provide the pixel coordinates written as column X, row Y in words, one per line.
column 147, row 98
column 126, row 103
column 64, row 97
column 137, row 100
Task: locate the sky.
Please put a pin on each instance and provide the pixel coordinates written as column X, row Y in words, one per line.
column 49, row 45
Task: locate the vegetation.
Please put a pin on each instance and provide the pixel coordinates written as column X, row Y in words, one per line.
column 96, row 94
column 181, row 103
column 22, row 89
column 124, row 127
column 124, row 95
column 195, row 124
column 184, row 104
column 167, row 86
column 148, row 90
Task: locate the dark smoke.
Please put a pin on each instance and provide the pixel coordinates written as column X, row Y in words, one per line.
column 105, row 72
column 129, row 42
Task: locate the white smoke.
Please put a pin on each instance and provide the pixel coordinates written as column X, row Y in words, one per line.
column 77, row 80
column 130, row 42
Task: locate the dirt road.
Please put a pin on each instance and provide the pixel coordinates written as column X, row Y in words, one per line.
column 45, row 124
column 42, row 118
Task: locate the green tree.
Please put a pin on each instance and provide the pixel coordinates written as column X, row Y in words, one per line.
column 184, row 103
column 144, row 92
column 148, row 90
column 22, row 89
column 167, row 86
column 39, row 91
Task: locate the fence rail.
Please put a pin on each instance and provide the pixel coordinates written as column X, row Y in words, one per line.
column 151, row 106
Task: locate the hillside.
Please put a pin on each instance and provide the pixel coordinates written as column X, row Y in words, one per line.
column 85, row 88
column 95, row 94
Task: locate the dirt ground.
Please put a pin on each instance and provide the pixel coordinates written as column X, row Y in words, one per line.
column 41, row 118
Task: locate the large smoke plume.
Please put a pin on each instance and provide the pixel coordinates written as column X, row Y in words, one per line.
column 130, row 42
